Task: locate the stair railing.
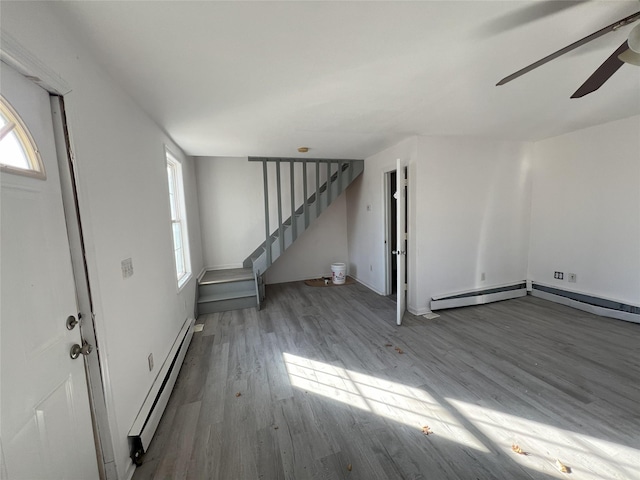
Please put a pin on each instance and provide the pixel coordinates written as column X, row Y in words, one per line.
column 326, row 172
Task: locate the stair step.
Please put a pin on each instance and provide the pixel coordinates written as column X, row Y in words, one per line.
column 226, row 275
column 227, row 288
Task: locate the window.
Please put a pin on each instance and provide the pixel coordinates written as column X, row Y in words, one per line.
column 178, row 220
column 18, row 151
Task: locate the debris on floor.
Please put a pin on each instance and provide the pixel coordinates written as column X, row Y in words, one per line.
column 326, row 282
column 562, row 467
column 238, row 394
column 426, row 430
column 388, row 344
column 516, row 448
column 349, row 467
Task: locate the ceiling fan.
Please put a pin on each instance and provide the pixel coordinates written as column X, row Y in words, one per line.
column 628, row 52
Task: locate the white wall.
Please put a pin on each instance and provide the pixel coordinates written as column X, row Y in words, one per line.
column 230, row 191
column 125, row 211
column 231, row 209
column 311, row 255
column 469, row 204
column 586, row 211
column 366, row 215
column 473, row 202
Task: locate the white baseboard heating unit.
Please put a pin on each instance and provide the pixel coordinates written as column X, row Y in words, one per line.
column 479, row 296
column 154, row 404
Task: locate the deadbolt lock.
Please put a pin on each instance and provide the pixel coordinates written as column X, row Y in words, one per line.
column 71, row 322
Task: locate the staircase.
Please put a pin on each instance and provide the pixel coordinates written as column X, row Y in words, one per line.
column 232, row 289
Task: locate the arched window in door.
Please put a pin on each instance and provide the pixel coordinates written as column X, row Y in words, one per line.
column 18, row 151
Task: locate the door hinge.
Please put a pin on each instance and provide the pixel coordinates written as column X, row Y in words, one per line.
column 405, row 182
column 405, row 287
column 405, row 236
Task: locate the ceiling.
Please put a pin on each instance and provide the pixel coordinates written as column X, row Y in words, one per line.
column 348, row 79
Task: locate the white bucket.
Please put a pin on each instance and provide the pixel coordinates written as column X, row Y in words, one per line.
column 338, row 273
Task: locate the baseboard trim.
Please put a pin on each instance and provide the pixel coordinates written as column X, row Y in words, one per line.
column 588, row 303
column 367, row 285
column 201, row 274
column 418, row 311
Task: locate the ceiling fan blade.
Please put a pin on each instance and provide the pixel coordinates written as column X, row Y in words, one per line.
column 629, row 56
column 610, row 28
column 603, row 73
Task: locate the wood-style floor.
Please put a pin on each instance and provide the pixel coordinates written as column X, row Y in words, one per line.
column 314, row 386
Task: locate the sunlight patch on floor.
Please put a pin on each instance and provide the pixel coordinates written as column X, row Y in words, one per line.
column 408, row 405
column 589, row 457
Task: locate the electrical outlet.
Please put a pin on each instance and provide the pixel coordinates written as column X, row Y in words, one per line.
column 150, row 359
column 371, row 268
column 573, row 278
column 482, row 277
column 558, row 275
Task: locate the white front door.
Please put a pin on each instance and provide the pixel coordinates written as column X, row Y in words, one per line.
column 401, row 242
column 45, row 427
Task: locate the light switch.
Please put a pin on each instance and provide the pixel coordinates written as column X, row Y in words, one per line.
column 127, row 267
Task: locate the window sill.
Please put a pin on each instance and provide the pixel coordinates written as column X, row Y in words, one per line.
column 182, row 282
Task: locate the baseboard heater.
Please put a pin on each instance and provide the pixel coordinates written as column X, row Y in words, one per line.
column 588, row 303
column 479, row 296
column 156, row 401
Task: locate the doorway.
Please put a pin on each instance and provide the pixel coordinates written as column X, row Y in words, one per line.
column 392, row 239
column 90, row 440
column 47, row 429
column 391, row 226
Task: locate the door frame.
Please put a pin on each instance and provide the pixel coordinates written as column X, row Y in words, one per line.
column 13, row 54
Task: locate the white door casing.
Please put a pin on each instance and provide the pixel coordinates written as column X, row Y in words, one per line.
column 45, row 426
column 401, row 252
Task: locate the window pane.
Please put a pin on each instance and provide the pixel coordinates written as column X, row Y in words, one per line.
column 18, row 150
column 171, row 175
column 11, row 152
column 174, row 207
column 177, row 235
column 180, row 263
column 178, row 219
column 178, row 250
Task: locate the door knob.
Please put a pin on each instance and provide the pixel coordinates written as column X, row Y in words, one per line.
column 76, row 350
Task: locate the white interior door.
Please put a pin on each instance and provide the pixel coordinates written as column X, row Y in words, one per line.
column 45, row 427
column 401, row 243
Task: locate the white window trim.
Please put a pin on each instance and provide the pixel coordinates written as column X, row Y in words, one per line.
column 172, row 160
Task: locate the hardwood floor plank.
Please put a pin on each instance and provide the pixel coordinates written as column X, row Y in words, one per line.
column 267, row 454
column 175, row 462
column 276, row 369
